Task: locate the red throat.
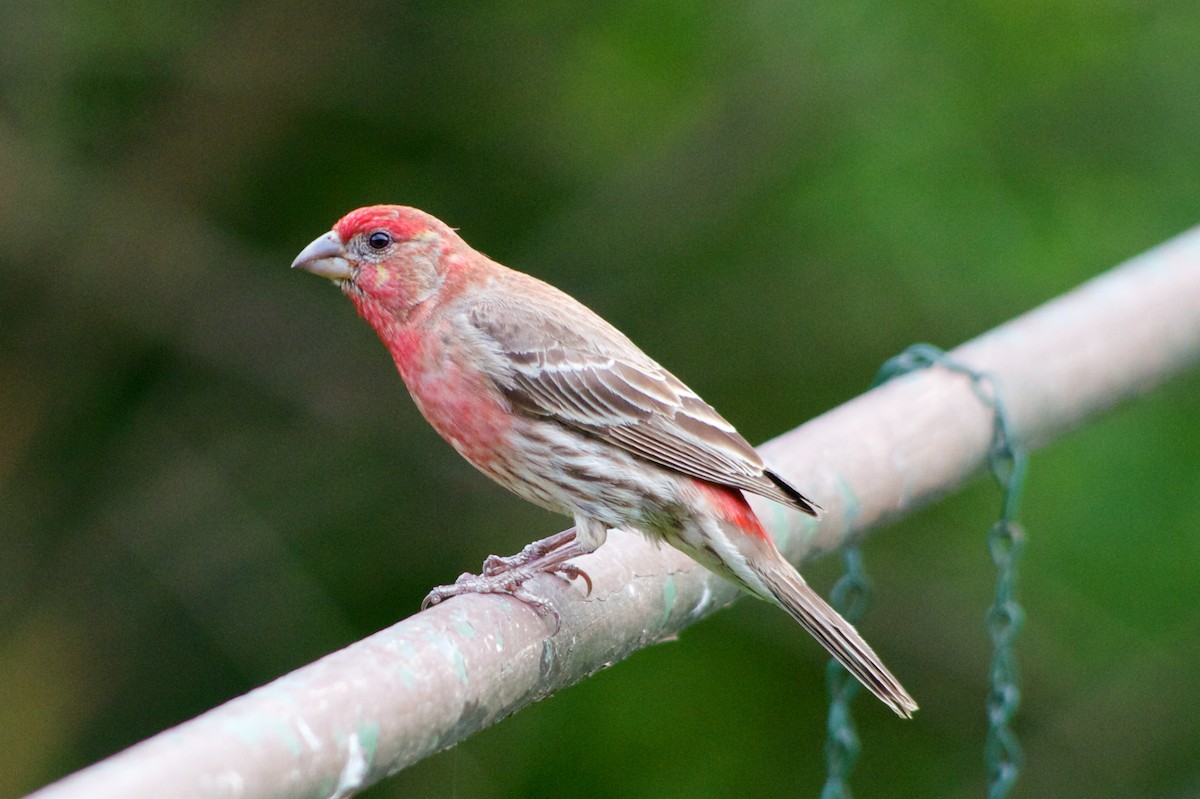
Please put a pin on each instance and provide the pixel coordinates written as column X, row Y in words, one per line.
column 456, row 400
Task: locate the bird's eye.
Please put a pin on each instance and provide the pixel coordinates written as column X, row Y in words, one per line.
column 379, row 240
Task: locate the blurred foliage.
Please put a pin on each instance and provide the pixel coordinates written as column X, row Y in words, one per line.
column 210, row 474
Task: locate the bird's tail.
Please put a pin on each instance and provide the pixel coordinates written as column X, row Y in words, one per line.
column 739, row 548
column 803, row 604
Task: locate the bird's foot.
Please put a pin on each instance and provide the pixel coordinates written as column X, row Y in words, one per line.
column 508, row 575
column 496, row 565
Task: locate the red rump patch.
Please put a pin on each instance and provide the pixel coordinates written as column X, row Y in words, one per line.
column 402, row 222
column 732, row 506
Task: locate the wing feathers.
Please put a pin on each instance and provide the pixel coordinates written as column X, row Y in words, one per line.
column 583, row 373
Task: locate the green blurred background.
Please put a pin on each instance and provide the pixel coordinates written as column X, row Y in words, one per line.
column 210, row 473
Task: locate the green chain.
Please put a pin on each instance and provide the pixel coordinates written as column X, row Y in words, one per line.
column 850, row 596
column 1007, row 460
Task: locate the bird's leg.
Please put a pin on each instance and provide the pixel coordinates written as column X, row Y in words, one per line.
column 495, row 564
column 508, row 575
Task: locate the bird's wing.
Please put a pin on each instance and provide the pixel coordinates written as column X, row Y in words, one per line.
column 568, row 364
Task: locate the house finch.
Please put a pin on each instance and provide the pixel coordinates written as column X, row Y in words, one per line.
column 555, row 404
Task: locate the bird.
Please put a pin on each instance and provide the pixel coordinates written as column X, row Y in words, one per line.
column 549, row 400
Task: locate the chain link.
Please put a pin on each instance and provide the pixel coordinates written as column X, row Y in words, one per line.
column 1007, row 461
column 850, row 596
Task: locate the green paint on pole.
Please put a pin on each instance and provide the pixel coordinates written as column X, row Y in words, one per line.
column 670, row 595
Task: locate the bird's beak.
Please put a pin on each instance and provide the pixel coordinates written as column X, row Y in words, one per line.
column 326, row 257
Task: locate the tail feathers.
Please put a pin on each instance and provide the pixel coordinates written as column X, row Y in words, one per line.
column 837, row 635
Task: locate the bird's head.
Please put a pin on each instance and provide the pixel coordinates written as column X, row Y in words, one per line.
column 389, row 257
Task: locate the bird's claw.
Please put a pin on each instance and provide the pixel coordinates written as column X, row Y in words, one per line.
column 441, row 593
column 570, row 572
